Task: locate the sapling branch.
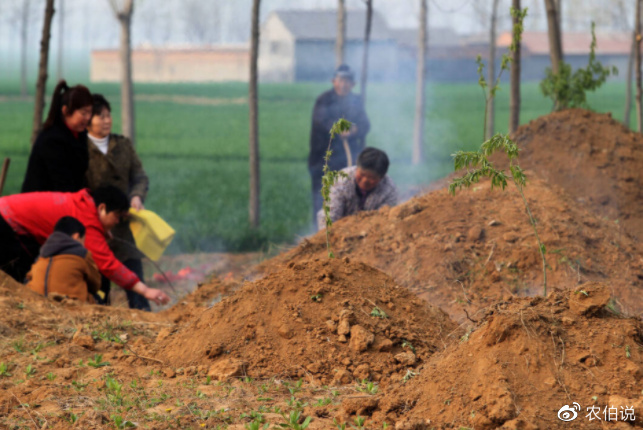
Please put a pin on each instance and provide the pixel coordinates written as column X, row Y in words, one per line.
column 541, row 247
column 477, row 163
column 489, row 89
column 330, row 178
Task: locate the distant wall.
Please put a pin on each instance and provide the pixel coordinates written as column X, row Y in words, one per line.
column 162, row 65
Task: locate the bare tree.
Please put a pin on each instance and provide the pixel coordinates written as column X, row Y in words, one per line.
column 555, row 37
column 61, row 38
column 637, row 40
column 628, row 82
column 25, row 18
column 491, row 117
column 418, row 132
column 514, row 95
column 254, row 118
column 367, row 42
column 622, row 17
column 202, row 19
column 124, row 16
column 41, row 83
column 341, row 32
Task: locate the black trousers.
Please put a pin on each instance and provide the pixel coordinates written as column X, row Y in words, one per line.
column 17, row 253
column 134, row 300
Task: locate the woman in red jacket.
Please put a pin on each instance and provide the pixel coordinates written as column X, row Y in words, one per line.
column 27, row 220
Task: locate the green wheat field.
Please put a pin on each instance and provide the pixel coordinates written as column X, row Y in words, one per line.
column 193, row 141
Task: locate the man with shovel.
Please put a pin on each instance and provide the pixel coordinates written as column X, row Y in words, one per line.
column 338, row 102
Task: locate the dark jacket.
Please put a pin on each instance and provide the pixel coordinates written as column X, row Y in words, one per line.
column 121, row 168
column 330, row 107
column 66, row 268
column 58, row 161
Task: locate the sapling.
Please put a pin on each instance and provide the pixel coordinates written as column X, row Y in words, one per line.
column 478, row 164
column 567, row 89
column 331, row 177
column 490, row 91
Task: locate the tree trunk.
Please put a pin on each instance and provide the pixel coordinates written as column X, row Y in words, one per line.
column 637, row 52
column 24, row 32
column 418, row 132
column 628, row 83
column 341, row 32
column 555, row 41
column 367, row 41
column 254, row 119
column 127, row 91
column 491, row 108
column 559, row 15
column 61, row 37
column 41, row 83
column 514, row 96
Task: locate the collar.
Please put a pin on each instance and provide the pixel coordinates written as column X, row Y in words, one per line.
column 75, row 133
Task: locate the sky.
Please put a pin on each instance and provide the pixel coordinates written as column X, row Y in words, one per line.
column 90, row 24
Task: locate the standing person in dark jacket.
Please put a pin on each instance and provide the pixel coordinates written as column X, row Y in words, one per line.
column 113, row 161
column 339, row 102
column 59, row 157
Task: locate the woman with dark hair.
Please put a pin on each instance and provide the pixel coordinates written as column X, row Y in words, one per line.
column 113, row 161
column 59, row 158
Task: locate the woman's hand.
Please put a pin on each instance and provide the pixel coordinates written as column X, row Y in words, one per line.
column 157, row 296
column 137, row 203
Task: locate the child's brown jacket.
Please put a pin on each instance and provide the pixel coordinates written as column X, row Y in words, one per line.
column 64, row 268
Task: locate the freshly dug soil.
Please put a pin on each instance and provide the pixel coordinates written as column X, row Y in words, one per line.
column 594, row 158
column 528, row 358
column 333, row 321
column 467, row 252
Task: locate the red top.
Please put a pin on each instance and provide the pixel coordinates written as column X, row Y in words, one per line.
column 75, row 133
column 35, row 214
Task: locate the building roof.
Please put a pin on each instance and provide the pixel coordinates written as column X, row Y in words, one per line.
column 537, row 43
column 322, row 24
column 438, row 36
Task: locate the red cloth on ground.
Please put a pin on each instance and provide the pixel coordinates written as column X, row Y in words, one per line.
column 35, row 214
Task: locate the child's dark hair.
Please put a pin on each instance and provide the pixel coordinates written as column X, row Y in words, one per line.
column 70, row 225
column 74, row 98
column 100, row 103
column 114, row 198
column 375, row 160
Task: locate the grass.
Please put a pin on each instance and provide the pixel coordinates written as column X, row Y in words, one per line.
column 196, row 155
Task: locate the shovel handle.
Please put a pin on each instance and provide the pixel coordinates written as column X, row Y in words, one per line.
column 349, row 156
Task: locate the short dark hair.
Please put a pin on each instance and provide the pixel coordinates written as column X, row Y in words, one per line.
column 375, row 160
column 100, row 103
column 343, row 71
column 70, row 225
column 114, row 198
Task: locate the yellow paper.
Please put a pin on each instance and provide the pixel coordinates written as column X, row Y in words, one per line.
column 151, row 234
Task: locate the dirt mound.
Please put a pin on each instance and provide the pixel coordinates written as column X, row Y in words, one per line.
column 594, row 158
column 526, row 360
column 334, row 321
column 466, row 252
